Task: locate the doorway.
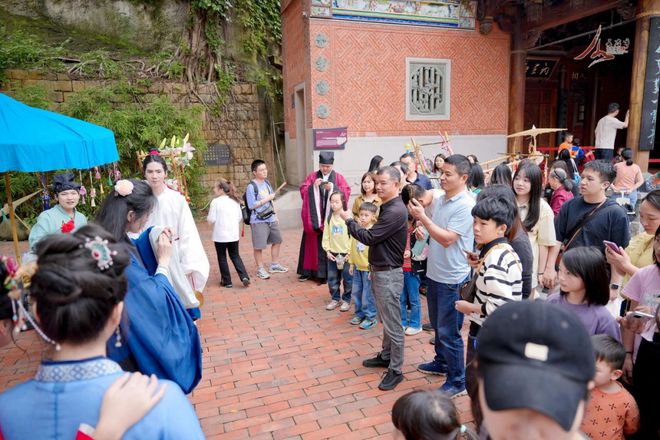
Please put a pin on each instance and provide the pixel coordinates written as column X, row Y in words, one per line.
column 301, row 131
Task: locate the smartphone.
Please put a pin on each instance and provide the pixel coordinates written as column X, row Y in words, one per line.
column 613, row 246
column 638, row 314
column 471, row 255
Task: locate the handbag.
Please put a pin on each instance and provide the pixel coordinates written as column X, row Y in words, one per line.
column 469, row 289
column 266, row 213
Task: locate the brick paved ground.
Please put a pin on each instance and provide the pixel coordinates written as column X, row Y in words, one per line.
column 277, row 365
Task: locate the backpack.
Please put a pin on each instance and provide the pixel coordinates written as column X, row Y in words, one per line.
column 245, row 210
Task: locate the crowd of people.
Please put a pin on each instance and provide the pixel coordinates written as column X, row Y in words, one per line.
column 562, row 304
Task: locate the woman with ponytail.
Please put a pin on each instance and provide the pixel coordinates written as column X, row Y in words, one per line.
column 225, row 216
column 628, row 177
column 562, row 189
column 78, row 294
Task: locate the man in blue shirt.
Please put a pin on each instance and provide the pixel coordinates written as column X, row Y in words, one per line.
column 412, row 176
column 447, row 270
column 263, row 221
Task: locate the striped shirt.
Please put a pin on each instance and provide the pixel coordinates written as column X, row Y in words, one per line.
column 499, row 280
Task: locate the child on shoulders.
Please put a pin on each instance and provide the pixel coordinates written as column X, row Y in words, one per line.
column 612, row 412
column 363, row 297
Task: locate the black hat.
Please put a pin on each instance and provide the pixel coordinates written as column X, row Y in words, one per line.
column 64, row 182
column 326, row 157
column 537, row 356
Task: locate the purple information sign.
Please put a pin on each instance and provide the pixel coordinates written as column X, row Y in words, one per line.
column 330, row 138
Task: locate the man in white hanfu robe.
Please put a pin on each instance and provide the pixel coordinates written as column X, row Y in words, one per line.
column 173, row 211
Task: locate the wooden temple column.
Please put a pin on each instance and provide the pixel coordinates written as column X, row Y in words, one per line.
column 517, row 83
column 645, row 10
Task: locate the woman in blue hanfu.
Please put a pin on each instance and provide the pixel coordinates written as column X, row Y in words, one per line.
column 78, row 296
column 63, row 217
column 160, row 336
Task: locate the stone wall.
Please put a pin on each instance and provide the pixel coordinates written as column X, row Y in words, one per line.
column 240, row 125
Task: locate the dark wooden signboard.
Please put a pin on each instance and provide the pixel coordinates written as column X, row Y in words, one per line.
column 651, row 88
column 217, row 154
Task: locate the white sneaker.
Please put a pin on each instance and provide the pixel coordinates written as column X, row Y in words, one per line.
column 332, row 305
column 345, row 306
column 411, row 331
column 261, row 273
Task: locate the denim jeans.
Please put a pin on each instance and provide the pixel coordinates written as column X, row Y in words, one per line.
column 447, row 322
column 411, row 294
column 335, row 278
column 363, row 297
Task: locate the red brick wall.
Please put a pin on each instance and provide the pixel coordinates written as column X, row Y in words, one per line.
column 367, row 80
column 295, row 52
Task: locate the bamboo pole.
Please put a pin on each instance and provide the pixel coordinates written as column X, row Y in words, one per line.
column 12, row 219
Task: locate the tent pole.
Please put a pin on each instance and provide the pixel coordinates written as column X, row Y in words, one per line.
column 12, row 219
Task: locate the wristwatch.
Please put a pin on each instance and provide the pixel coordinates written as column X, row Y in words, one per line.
column 614, row 286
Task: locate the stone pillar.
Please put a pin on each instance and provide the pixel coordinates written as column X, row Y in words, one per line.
column 645, row 10
column 517, row 84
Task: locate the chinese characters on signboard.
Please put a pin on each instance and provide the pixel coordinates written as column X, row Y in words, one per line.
column 612, row 48
column 330, row 138
column 651, row 88
column 540, row 68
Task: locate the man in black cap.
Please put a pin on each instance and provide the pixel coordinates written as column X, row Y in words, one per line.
column 63, row 217
column 536, row 366
column 315, row 192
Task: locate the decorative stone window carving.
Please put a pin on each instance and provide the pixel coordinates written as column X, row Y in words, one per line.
column 428, row 83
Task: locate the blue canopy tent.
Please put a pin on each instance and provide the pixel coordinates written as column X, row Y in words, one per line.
column 35, row 140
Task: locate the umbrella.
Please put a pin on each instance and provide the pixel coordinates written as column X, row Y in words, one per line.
column 34, row 140
column 533, row 132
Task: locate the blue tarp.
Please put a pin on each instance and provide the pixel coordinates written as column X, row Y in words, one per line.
column 38, row 140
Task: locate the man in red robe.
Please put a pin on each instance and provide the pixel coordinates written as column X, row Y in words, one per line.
column 315, row 192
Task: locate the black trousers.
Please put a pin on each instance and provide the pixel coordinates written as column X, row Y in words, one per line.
column 221, row 250
column 647, row 387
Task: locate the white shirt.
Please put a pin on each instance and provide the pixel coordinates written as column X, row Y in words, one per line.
column 606, row 132
column 173, row 211
column 225, row 215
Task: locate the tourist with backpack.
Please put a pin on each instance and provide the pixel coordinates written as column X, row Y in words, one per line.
column 259, row 197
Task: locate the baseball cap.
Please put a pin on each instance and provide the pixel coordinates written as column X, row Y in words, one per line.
column 537, row 356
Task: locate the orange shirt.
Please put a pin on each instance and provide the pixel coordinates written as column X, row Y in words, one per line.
column 610, row 416
column 567, row 146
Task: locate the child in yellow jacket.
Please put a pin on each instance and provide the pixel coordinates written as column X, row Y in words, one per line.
column 363, row 297
column 337, row 243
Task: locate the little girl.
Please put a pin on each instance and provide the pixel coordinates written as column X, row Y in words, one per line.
column 427, row 414
column 225, row 215
column 368, row 190
column 337, row 245
column 410, row 293
column 584, row 283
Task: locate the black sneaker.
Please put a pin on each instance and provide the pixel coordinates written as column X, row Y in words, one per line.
column 427, row 327
column 376, row 362
column 303, row 278
column 246, row 281
column 390, row 380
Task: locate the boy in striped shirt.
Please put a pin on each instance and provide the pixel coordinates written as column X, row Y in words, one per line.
column 498, row 270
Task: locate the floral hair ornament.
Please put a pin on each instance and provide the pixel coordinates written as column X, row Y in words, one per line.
column 100, row 252
column 124, row 187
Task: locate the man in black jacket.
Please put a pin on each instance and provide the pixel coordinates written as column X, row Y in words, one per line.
column 387, row 242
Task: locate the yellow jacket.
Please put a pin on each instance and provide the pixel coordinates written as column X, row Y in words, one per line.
column 359, row 255
column 335, row 236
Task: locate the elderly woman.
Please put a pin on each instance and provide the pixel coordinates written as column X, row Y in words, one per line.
column 63, row 217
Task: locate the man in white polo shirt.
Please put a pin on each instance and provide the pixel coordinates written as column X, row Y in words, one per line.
column 606, row 132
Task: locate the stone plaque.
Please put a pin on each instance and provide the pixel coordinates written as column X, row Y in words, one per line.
column 322, row 87
column 322, row 111
column 217, row 154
